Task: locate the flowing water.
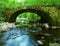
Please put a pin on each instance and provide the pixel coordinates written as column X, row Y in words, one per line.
column 17, row 37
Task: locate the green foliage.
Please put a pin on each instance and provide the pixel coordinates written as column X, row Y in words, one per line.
column 1, row 18
column 16, row 3
column 25, row 18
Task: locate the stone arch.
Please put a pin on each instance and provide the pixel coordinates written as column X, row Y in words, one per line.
column 45, row 18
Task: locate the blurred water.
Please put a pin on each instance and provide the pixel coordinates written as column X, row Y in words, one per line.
column 17, row 37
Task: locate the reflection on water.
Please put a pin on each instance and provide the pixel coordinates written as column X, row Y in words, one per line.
column 17, row 37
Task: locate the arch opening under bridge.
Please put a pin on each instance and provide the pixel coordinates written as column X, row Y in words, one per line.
column 45, row 18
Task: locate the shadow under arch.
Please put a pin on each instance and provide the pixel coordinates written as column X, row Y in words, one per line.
column 45, row 18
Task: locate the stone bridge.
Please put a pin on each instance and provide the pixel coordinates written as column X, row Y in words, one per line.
column 11, row 14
